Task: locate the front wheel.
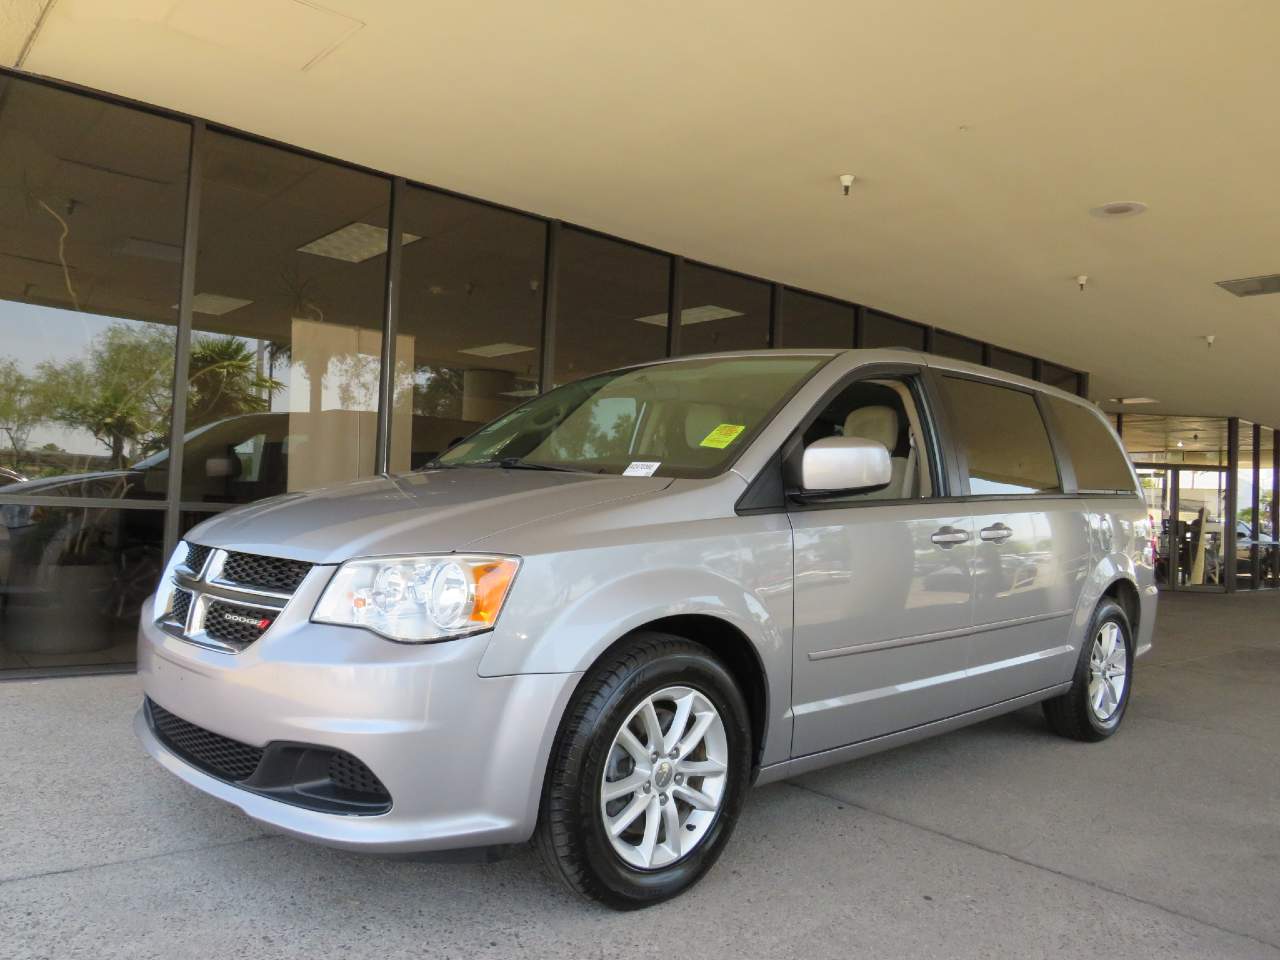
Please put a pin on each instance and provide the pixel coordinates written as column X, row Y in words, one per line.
column 1094, row 706
column 647, row 775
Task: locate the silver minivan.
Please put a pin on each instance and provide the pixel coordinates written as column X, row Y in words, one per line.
column 595, row 622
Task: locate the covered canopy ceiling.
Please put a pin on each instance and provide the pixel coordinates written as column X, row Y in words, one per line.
column 981, row 135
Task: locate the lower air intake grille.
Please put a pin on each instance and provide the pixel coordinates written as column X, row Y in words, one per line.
column 348, row 773
column 264, row 573
column 213, row 753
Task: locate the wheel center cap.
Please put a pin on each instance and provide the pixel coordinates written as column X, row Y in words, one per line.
column 662, row 774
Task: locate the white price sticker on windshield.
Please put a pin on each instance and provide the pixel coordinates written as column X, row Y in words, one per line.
column 642, row 468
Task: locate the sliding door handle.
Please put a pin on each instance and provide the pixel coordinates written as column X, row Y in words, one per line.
column 996, row 533
column 948, row 537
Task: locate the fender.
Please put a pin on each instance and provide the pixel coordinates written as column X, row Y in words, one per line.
column 567, row 614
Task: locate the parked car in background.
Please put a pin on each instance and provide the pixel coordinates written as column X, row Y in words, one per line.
column 599, row 619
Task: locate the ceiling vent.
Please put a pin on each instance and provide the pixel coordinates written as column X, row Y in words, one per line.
column 1252, row 286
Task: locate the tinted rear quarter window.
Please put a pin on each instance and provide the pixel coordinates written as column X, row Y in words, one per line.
column 1100, row 465
column 1003, row 438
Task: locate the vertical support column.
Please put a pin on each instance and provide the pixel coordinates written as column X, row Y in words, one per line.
column 1174, row 541
column 1037, row 370
column 986, row 354
column 775, row 315
column 928, row 339
column 1255, row 504
column 390, row 328
column 859, row 312
column 550, row 303
column 1082, row 381
column 1228, row 547
column 182, row 346
column 1120, row 425
column 675, row 305
column 1275, row 505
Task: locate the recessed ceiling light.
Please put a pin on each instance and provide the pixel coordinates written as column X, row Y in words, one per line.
column 1132, row 400
column 354, row 243
column 692, row 315
column 1119, row 208
column 496, row 350
column 520, row 394
column 215, row 304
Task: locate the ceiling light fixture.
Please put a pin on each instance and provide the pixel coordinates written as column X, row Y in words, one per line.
column 1119, row 208
column 354, row 243
column 496, row 350
column 846, row 181
column 692, row 315
column 1132, row 400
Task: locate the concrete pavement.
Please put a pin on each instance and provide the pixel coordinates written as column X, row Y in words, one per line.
column 999, row 840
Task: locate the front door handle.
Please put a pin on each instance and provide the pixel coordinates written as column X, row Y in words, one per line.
column 948, row 537
column 996, row 533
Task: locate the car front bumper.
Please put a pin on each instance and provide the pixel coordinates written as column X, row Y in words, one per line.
column 462, row 756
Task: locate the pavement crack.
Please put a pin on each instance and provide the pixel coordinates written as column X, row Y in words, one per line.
column 143, row 859
column 1034, row 865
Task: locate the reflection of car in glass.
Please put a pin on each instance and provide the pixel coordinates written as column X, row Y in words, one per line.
column 109, row 559
column 8, row 476
column 597, row 620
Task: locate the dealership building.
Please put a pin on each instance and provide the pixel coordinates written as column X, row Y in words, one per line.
column 231, row 269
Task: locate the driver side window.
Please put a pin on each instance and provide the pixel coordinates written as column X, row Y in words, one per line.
column 884, row 411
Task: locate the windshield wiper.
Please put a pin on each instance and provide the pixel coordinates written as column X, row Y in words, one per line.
column 516, row 463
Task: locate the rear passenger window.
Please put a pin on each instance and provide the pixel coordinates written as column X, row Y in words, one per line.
column 1100, row 465
column 1002, row 437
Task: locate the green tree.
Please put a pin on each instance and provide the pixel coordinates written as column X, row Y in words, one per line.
column 21, row 406
column 225, row 381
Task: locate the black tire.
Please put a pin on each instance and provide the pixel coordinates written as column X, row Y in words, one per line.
column 1071, row 714
column 570, row 835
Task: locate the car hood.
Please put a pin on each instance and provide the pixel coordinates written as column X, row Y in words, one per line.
column 433, row 511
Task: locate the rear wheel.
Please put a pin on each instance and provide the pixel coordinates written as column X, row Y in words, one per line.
column 648, row 773
column 1094, row 706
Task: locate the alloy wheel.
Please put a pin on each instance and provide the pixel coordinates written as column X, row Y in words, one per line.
column 665, row 778
column 1108, row 671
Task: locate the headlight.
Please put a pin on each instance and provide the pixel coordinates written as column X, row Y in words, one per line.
column 417, row 599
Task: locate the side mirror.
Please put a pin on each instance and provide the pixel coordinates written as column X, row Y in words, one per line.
column 835, row 464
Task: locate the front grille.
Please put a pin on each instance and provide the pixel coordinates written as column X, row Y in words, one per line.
column 180, row 606
column 264, row 573
column 213, row 753
column 196, row 556
column 239, row 626
column 348, row 773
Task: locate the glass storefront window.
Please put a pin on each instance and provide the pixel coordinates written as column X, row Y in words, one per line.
column 92, row 202
column 469, row 345
column 1060, row 377
column 1010, row 362
column 723, row 311
column 956, row 347
column 92, row 198
column 612, row 305
column 1202, row 532
column 286, row 342
column 881, row 330
column 812, row 321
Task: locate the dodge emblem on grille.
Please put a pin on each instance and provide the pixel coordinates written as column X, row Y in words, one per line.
column 260, row 622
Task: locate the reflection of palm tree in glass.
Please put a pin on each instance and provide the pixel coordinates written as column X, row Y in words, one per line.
column 225, row 381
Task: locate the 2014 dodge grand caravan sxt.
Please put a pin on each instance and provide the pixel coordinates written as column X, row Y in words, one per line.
column 602, row 617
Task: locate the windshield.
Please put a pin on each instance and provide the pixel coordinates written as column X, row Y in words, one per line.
column 679, row 419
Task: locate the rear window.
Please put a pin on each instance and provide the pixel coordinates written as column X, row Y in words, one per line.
column 1100, row 465
column 1003, row 438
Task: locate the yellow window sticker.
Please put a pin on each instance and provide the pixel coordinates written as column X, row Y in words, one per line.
column 722, row 436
